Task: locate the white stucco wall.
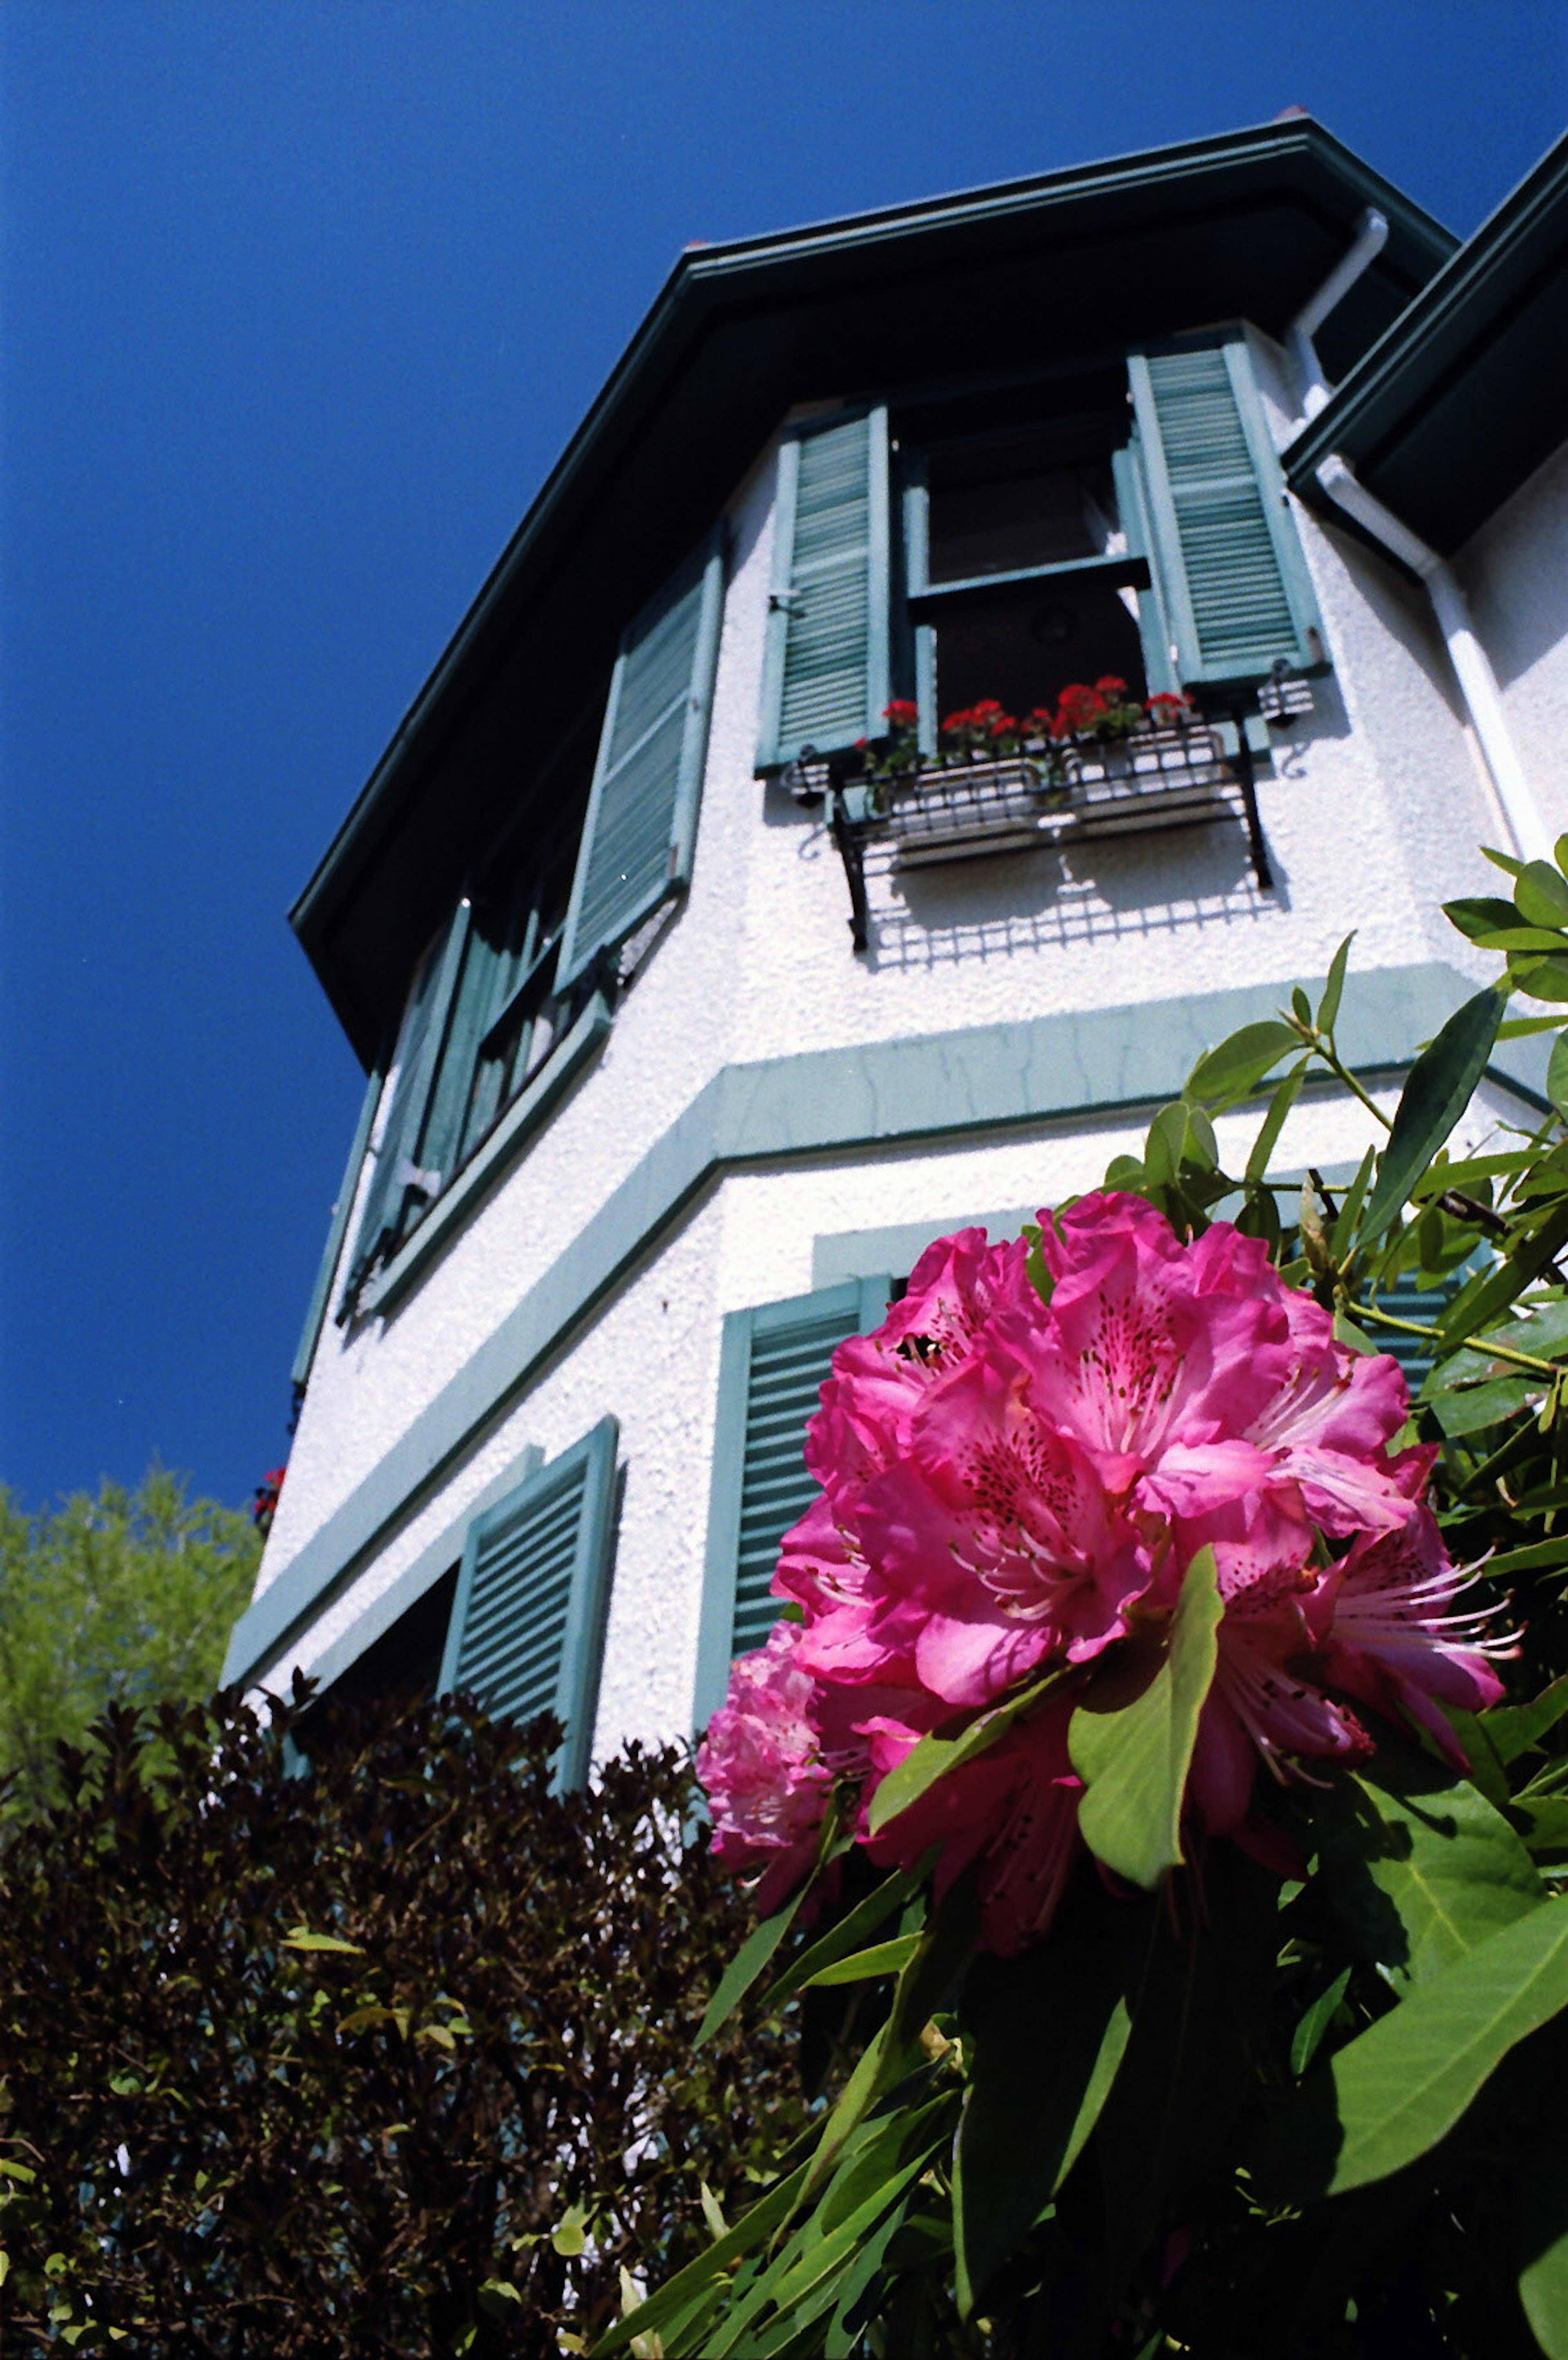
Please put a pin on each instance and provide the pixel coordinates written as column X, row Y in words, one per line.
column 651, row 1360
column 1373, row 815
column 1515, row 573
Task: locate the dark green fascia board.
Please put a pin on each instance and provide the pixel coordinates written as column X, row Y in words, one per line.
column 989, row 1080
column 1419, row 414
column 738, row 332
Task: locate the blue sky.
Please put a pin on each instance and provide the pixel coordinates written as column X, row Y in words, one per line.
column 301, row 303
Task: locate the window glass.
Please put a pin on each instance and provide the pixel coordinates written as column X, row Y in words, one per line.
column 1018, row 499
column 1038, row 499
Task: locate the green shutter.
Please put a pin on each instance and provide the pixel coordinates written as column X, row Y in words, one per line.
column 774, row 1362
column 825, row 674
column 419, row 1054
column 1407, row 1299
column 527, row 1630
column 475, row 999
column 641, row 820
column 1224, row 551
column 305, row 1351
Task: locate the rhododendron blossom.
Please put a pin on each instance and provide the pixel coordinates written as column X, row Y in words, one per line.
column 1014, row 1481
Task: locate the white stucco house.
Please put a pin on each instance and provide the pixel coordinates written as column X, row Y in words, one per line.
column 680, row 1043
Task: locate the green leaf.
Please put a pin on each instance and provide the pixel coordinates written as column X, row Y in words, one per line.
column 1135, row 1761
column 1308, row 2033
column 300, row 1938
column 1503, row 860
column 849, row 1934
column 1557, row 1074
column 1481, row 1406
column 1541, row 978
column 1328, row 1006
column 931, row 1758
column 1349, row 1213
column 1301, row 1004
column 1422, row 1867
column 1166, row 1142
column 1240, row 1063
column 1484, row 916
column 1280, row 1106
column 1391, row 2093
column 942, row 1950
column 1519, row 1028
column 1541, row 894
column 1523, row 938
column 747, row 1965
column 751, row 2230
column 1043, row 2034
column 1513, row 1729
column 1436, row 1093
column 861, row 1966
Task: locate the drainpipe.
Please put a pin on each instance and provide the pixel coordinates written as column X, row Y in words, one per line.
column 1371, row 236
column 1472, row 667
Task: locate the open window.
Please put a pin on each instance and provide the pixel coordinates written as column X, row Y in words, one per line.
column 1125, row 517
column 519, row 1621
column 1021, row 576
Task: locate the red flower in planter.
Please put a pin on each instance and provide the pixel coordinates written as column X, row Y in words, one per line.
column 1078, row 708
column 263, row 1507
column 904, row 713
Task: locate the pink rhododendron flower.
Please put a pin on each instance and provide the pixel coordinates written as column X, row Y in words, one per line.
column 761, row 1763
column 1012, row 1811
column 1015, row 1483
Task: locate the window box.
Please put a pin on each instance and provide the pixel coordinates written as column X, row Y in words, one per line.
column 1176, row 768
column 953, row 809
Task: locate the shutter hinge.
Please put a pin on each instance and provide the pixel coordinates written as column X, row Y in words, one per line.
column 784, row 602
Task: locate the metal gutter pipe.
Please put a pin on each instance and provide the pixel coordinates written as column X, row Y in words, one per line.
column 1371, row 237
column 1472, row 666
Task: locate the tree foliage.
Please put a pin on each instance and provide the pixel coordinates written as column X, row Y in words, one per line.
column 391, row 2056
column 1213, row 2112
column 124, row 1597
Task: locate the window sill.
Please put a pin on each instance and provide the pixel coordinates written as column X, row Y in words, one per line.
column 456, row 1204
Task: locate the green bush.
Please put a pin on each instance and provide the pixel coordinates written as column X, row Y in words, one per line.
column 388, row 2056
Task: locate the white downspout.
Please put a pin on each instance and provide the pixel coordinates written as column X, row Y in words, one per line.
column 1472, row 666
column 1371, row 237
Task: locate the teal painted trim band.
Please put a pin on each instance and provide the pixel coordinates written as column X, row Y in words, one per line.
column 526, row 1115
column 859, row 1253
column 886, row 1094
column 310, row 1334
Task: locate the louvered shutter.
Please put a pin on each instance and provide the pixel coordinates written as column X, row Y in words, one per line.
column 419, row 1052
column 773, row 1365
column 1229, row 566
column 305, row 1350
column 826, row 668
column 641, row 819
column 527, row 1628
column 1407, row 1299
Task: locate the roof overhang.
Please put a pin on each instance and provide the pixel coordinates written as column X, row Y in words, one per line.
column 1243, row 226
column 1458, row 404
